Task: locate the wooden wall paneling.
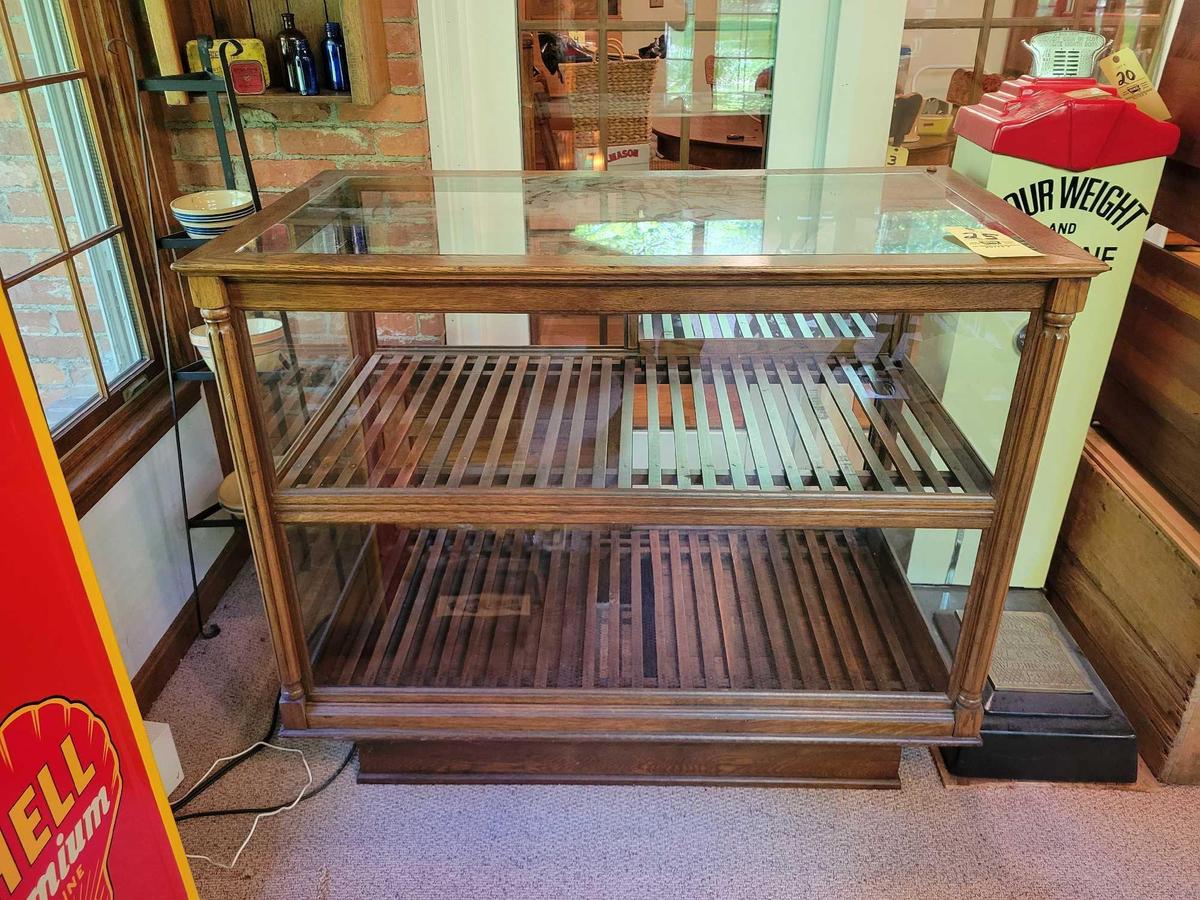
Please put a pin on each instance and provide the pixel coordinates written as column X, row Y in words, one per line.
column 1179, row 85
column 232, row 18
column 188, row 19
column 1178, row 198
column 1179, row 195
column 1150, row 399
column 310, row 17
column 1139, row 624
column 266, row 21
column 200, row 15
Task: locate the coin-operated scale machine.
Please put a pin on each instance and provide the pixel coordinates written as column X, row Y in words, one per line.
column 1080, row 157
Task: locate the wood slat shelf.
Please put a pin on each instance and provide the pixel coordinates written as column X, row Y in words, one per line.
column 521, row 419
column 275, row 95
column 688, row 609
column 667, row 334
column 291, row 396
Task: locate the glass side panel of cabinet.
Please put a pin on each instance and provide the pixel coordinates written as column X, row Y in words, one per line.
column 673, row 609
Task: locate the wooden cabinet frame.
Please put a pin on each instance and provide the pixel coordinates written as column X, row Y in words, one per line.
column 226, row 284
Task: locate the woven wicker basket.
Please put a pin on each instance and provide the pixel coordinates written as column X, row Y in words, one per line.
column 628, row 108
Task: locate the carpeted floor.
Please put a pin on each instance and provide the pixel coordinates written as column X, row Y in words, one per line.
column 924, row 841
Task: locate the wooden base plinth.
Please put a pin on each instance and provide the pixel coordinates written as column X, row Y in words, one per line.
column 743, row 764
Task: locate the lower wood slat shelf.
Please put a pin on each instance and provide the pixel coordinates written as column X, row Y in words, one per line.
column 756, row 609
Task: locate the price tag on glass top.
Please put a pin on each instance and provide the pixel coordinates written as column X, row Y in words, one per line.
column 896, row 156
column 989, row 243
column 1123, row 70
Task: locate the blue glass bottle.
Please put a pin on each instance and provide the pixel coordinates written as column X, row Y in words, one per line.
column 334, row 51
column 287, row 50
column 305, row 67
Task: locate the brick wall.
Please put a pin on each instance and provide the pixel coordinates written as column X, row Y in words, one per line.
column 292, row 140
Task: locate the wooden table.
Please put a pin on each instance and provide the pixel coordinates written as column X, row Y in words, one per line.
column 670, row 562
column 709, row 142
column 932, row 150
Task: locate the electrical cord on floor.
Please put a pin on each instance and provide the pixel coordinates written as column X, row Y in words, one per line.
column 232, row 864
column 260, row 810
column 205, row 783
column 225, row 765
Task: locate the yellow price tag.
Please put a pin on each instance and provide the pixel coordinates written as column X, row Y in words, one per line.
column 989, row 243
column 896, row 156
column 1123, row 71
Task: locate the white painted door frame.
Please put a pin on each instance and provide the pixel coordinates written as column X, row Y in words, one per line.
column 469, row 55
column 835, row 74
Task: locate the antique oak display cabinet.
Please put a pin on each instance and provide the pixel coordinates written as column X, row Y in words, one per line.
column 696, row 530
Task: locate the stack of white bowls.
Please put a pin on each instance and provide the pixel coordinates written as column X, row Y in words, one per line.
column 266, row 343
column 206, row 214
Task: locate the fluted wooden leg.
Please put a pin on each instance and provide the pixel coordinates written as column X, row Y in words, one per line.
column 1037, row 379
column 252, row 459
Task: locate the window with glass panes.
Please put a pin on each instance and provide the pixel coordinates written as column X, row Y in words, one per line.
column 956, row 50
column 659, row 84
column 64, row 254
column 621, row 85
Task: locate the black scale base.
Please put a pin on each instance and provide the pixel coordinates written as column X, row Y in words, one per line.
column 1040, row 735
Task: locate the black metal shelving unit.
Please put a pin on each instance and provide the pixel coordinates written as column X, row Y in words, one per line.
column 213, row 87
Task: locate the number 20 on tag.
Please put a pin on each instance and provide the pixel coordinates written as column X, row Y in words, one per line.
column 1125, row 72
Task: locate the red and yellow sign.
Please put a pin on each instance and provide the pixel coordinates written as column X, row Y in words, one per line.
column 78, row 784
column 82, row 811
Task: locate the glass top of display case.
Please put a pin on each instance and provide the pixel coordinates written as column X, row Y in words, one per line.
column 890, row 219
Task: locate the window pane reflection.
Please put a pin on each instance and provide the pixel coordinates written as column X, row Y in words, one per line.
column 27, row 234
column 943, row 68
column 109, row 299
column 40, row 33
column 53, row 335
column 679, row 84
column 73, row 159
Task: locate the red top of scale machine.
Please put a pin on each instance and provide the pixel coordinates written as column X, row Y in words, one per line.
column 1067, row 123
